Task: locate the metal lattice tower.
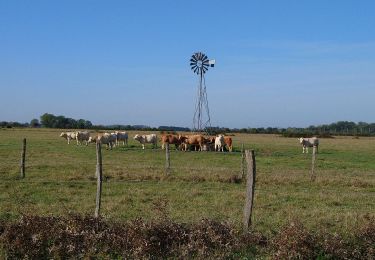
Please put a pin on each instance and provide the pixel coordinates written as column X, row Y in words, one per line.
column 199, row 63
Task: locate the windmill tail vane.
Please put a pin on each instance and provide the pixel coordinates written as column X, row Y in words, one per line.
column 199, row 64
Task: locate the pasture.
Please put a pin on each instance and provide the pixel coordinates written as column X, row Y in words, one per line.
column 60, row 179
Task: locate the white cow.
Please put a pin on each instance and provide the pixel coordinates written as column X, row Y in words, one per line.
column 309, row 142
column 108, row 139
column 82, row 137
column 121, row 136
column 219, row 143
column 146, row 139
column 68, row 136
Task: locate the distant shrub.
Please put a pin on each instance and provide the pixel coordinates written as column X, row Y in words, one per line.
column 325, row 135
column 306, row 135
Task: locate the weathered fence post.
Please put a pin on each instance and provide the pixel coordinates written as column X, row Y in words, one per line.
column 23, row 156
column 250, row 187
column 313, row 176
column 99, row 175
column 242, row 162
column 167, row 159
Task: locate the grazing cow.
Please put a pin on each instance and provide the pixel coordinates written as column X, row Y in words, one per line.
column 309, row 142
column 177, row 140
column 107, row 139
column 121, row 136
column 219, row 143
column 195, row 140
column 146, row 139
column 68, row 136
column 228, row 142
column 82, row 136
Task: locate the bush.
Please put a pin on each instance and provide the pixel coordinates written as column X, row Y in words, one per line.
column 295, row 242
column 36, row 237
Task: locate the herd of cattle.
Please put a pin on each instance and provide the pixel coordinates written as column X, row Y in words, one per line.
column 196, row 142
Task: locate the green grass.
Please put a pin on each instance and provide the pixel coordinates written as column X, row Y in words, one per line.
column 60, row 179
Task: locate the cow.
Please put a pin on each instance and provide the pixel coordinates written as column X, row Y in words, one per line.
column 209, row 144
column 228, row 143
column 195, row 140
column 146, row 139
column 219, row 143
column 82, row 136
column 121, row 136
column 107, row 139
column 309, row 142
column 177, row 140
column 68, row 136
column 92, row 139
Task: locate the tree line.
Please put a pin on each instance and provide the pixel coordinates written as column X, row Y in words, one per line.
column 48, row 120
column 337, row 128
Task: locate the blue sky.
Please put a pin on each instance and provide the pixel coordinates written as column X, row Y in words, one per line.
column 278, row 63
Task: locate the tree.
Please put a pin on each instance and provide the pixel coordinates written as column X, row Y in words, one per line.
column 34, row 123
column 47, row 120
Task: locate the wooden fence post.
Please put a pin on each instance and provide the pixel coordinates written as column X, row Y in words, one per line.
column 167, row 159
column 242, row 162
column 250, row 187
column 99, row 175
column 23, row 156
column 313, row 176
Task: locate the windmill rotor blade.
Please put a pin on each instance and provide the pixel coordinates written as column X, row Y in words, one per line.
column 193, row 59
column 195, row 70
column 193, row 67
column 199, row 55
column 193, row 63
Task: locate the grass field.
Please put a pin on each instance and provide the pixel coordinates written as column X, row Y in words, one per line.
column 60, row 179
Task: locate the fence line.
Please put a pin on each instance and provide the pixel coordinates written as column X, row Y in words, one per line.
column 136, row 167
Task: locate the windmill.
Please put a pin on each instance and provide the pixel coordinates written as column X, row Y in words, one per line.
column 199, row 64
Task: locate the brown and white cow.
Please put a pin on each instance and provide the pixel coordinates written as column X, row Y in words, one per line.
column 219, row 143
column 194, row 140
column 177, row 140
